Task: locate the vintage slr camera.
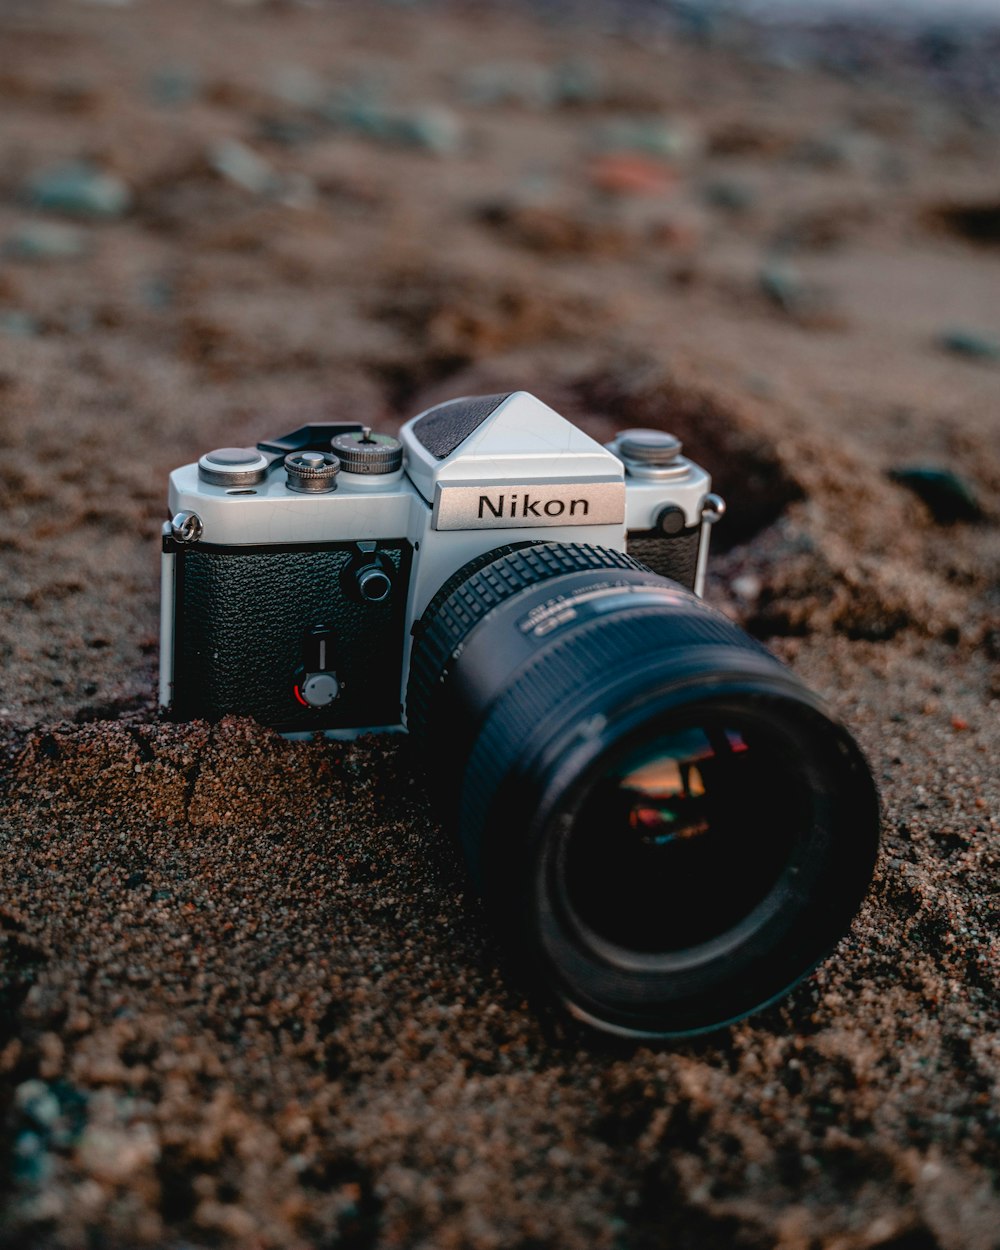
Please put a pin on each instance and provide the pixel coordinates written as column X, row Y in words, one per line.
column 667, row 827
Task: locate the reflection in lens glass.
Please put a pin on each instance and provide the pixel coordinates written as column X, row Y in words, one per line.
column 682, row 838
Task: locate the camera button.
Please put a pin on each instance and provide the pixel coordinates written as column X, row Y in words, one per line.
column 671, row 520
column 374, row 584
column 655, row 447
column 233, row 466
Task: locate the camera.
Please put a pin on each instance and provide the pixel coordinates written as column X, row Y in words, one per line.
column 668, row 829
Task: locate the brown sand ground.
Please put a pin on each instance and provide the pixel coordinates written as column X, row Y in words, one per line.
column 245, row 999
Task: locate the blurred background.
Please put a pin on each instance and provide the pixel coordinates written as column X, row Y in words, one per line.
column 245, row 1000
column 772, row 227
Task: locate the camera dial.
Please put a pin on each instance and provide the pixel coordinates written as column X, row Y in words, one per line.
column 365, row 452
column 312, row 472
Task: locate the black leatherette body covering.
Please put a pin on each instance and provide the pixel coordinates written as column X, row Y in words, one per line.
column 671, row 555
column 447, row 426
column 240, row 618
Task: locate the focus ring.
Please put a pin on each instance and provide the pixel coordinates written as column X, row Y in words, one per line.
column 475, row 590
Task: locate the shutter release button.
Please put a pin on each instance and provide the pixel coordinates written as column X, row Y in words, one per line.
column 233, row 466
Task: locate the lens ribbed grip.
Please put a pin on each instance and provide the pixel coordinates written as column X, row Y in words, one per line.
column 475, row 590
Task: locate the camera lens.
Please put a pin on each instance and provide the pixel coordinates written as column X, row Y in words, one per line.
column 666, row 825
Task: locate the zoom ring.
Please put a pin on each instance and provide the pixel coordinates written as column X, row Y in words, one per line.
column 475, row 590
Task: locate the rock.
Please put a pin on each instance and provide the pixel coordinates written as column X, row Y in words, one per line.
column 44, row 241
column 734, row 197
column 577, row 82
column 114, row 1154
column 625, row 173
column 949, row 497
column 298, row 86
column 782, row 283
column 241, row 166
column 173, row 85
column 31, row 1164
column 80, row 190
column 298, row 191
column 433, row 127
column 288, row 132
column 18, row 325
column 507, row 82
column 748, row 586
column 831, row 149
column 157, row 293
column 36, row 1102
column 525, row 83
column 650, row 136
column 961, row 342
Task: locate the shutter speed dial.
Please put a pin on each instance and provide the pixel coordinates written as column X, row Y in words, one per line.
column 368, row 453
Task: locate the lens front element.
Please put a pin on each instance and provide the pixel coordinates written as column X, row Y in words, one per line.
column 681, row 839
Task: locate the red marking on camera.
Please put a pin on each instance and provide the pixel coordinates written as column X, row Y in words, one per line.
column 298, row 695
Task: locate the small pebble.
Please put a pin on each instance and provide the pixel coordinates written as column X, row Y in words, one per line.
column 734, row 197
column 35, row 1100
column 650, row 136
column 157, row 293
column 748, row 586
column 298, row 86
column 530, row 85
column 782, row 283
column 287, row 132
column 577, row 82
column 80, row 190
column 173, row 85
column 241, row 166
column 45, row 240
column 18, row 325
column 507, row 82
column 970, row 343
column 625, row 173
column 949, row 497
column 298, row 191
column 432, row 127
column 32, row 1163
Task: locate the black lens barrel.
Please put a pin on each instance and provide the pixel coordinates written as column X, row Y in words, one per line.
column 534, row 669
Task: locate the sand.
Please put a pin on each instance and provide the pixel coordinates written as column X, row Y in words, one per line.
column 246, row 997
